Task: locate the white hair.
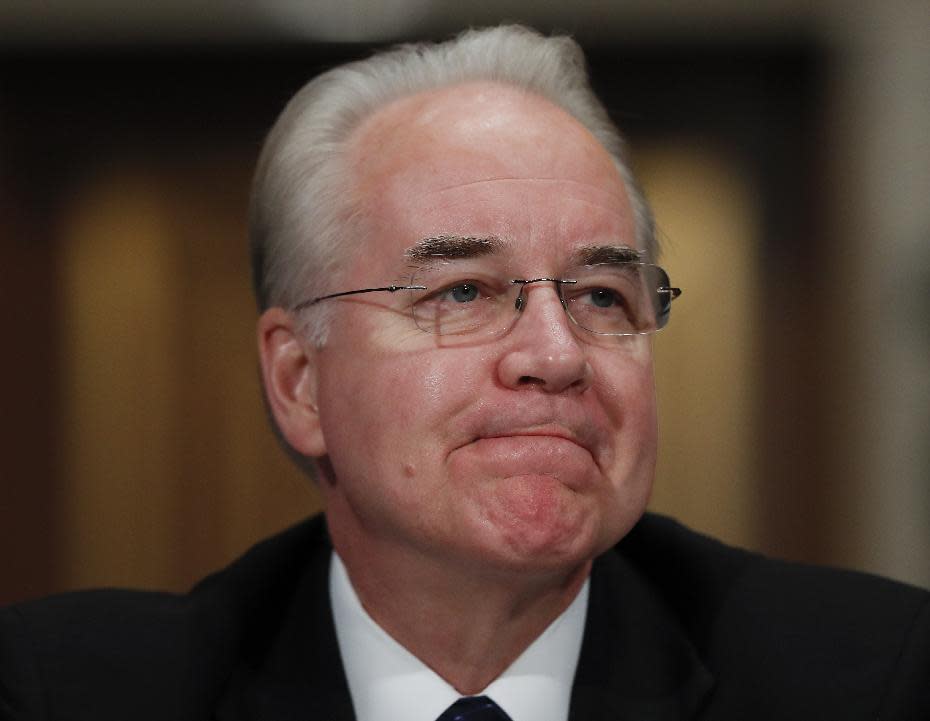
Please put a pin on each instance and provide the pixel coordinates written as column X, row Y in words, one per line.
column 302, row 206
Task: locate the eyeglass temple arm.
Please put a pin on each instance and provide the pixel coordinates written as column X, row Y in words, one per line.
column 673, row 292
column 388, row 289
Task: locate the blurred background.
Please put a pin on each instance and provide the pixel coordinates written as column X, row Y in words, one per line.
column 784, row 145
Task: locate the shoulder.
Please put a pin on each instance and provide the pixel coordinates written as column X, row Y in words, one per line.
column 122, row 649
column 783, row 633
column 53, row 649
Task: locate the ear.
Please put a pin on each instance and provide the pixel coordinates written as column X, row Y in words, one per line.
column 289, row 375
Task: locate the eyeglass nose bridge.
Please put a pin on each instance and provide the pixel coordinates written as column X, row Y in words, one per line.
column 520, row 302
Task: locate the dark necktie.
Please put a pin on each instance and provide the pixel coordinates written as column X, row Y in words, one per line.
column 474, row 708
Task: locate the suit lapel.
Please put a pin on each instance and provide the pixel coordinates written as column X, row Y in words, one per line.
column 636, row 662
column 300, row 676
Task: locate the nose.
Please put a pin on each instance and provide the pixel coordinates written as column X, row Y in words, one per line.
column 542, row 349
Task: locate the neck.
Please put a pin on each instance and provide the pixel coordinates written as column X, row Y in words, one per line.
column 468, row 624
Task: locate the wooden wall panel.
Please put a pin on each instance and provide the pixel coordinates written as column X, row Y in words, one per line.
column 170, row 468
column 707, row 359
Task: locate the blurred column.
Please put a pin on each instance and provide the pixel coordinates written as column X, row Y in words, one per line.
column 120, row 286
column 707, row 360
column 882, row 271
column 170, row 469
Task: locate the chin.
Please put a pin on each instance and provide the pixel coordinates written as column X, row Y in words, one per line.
column 549, row 547
column 537, row 521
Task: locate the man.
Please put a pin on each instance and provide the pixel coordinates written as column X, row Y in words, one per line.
column 455, row 271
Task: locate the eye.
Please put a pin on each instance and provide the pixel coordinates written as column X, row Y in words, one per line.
column 603, row 297
column 459, row 290
column 461, row 293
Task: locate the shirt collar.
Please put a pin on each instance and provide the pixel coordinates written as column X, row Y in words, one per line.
column 388, row 682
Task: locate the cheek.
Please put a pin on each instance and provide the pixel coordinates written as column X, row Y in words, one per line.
column 625, row 379
column 628, row 387
column 396, row 411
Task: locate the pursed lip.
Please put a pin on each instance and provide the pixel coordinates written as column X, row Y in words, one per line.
column 583, row 435
column 541, row 432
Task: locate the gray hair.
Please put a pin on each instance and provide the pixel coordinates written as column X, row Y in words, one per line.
column 303, row 207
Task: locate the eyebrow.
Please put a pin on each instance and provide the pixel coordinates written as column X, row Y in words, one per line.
column 447, row 247
column 596, row 254
column 444, row 247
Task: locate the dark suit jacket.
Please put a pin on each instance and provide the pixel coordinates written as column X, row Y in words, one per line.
column 679, row 627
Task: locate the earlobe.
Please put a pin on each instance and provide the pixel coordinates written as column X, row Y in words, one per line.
column 289, row 375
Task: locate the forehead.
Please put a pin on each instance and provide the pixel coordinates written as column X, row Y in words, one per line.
column 484, row 160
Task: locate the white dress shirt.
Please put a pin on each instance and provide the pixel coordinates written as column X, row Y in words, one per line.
column 387, row 682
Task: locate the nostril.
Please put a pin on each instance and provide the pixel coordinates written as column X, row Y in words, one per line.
column 531, row 381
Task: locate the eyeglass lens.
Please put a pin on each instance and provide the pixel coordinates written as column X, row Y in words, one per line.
column 471, row 296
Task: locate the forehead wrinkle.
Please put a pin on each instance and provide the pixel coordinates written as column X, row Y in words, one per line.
column 595, row 254
column 446, row 247
column 540, row 179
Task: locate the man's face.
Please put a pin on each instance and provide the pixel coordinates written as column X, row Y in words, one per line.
column 534, row 449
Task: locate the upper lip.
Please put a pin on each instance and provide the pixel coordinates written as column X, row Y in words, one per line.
column 572, row 427
column 556, row 431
